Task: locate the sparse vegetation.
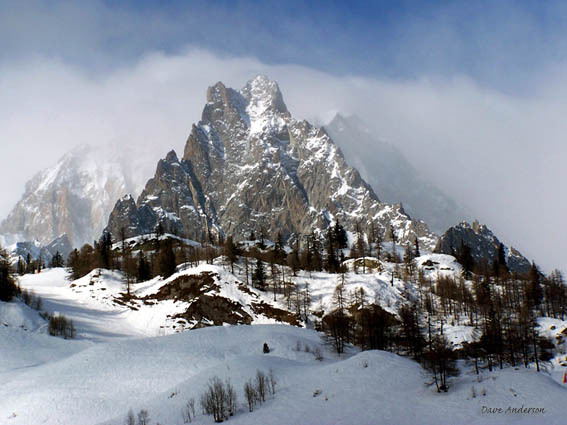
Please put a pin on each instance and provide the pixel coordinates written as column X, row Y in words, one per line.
column 261, row 385
column 59, row 325
column 188, row 413
column 250, row 394
column 215, row 400
column 32, row 300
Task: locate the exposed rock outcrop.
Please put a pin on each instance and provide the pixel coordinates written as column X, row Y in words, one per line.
column 247, row 166
column 483, row 244
column 74, row 197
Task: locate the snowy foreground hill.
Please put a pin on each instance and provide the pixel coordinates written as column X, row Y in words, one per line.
column 127, row 358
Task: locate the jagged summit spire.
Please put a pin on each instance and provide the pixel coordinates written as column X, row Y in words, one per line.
column 259, row 92
column 342, row 122
column 249, row 165
column 264, row 93
column 171, row 156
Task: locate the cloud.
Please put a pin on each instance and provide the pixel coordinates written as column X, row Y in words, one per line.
column 500, row 154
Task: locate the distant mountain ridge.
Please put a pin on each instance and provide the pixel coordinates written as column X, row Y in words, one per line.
column 248, row 165
column 392, row 176
column 74, row 197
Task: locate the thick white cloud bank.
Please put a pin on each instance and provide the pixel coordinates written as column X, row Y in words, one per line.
column 501, row 155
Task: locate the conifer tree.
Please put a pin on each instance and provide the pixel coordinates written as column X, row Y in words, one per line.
column 259, row 276
column 293, row 260
column 307, row 257
column 166, row 259
column 332, row 264
column 340, row 236
column 231, row 252
column 143, row 272
column 8, row 286
column 21, row 268
column 393, row 239
column 104, row 250
column 535, row 292
column 57, row 260
column 317, row 258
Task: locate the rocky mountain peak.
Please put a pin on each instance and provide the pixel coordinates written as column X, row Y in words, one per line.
column 249, row 166
column 171, row 156
column 483, row 244
column 263, row 95
column 476, row 226
column 349, row 123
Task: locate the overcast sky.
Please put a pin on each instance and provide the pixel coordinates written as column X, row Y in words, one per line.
column 472, row 92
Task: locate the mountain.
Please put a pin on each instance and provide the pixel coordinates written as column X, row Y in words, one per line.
column 74, row 197
column 248, row 165
column 483, row 244
column 38, row 251
column 391, row 175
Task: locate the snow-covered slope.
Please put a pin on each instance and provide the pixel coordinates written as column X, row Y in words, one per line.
column 92, row 384
column 76, row 195
column 130, row 353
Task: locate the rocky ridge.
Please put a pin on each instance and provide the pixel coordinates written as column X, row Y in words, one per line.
column 248, row 165
column 484, row 246
column 391, row 175
column 74, row 197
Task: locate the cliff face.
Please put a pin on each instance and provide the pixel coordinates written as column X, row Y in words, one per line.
column 75, row 197
column 249, row 165
column 483, row 244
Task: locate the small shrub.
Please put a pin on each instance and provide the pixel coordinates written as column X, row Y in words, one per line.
column 130, row 418
column 251, row 395
column 59, row 325
column 272, row 381
column 318, row 354
column 26, row 297
column 231, row 398
column 261, row 385
column 188, row 412
column 37, row 304
column 214, row 400
column 32, row 300
column 143, row 417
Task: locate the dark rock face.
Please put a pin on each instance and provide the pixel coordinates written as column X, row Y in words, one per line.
column 483, row 244
column 61, row 245
column 247, row 166
column 36, row 251
column 207, row 307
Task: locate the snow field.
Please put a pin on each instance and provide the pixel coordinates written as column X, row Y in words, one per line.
column 118, row 363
